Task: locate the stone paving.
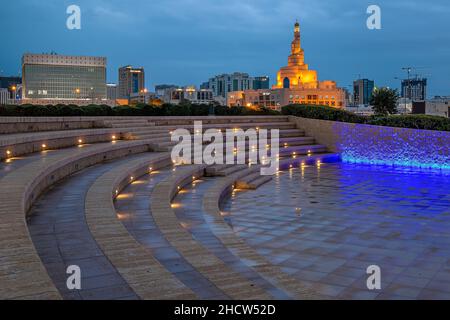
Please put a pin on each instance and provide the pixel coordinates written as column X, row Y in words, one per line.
column 189, row 210
column 142, row 272
column 232, row 283
column 133, row 208
column 351, row 217
column 62, row 237
column 215, row 219
column 309, row 234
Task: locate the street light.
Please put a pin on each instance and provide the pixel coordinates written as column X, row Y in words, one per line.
column 14, row 89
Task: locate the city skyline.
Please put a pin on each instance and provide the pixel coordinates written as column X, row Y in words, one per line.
column 174, row 46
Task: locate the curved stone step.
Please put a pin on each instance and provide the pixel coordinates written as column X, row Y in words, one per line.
column 230, row 170
column 133, row 208
column 270, row 272
column 228, row 281
column 160, row 121
column 14, row 145
column 302, row 150
column 61, row 236
column 21, row 270
column 296, row 141
column 314, row 159
column 291, row 133
column 252, row 181
column 188, row 209
column 143, row 273
column 211, row 171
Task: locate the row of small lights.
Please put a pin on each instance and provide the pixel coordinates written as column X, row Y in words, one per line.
column 218, row 130
column 179, row 189
column 150, row 170
column 303, row 165
column 44, row 146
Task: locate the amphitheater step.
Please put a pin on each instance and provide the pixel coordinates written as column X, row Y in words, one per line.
column 283, row 281
column 296, row 141
column 302, row 150
column 291, row 133
column 211, row 171
column 230, row 170
column 223, row 170
column 129, row 123
column 218, row 120
column 164, row 136
column 202, row 259
column 221, row 126
column 137, row 265
column 14, row 145
column 165, row 144
column 252, row 181
column 289, row 162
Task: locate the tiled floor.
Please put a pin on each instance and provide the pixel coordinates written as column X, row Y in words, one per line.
column 135, row 213
column 8, row 165
column 323, row 225
column 327, row 225
column 61, row 236
column 189, row 211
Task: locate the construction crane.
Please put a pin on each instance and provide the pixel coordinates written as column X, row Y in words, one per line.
column 410, row 69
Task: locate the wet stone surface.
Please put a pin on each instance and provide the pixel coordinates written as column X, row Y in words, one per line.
column 326, row 225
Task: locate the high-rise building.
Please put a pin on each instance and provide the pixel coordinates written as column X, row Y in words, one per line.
column 296, row 84
column 414, row 89
column 58, row 79
column 237, row 81
column 111, row 91
column 131, row 80
column 362, row 91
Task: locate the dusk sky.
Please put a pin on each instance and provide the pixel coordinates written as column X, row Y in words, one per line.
column 186, row 42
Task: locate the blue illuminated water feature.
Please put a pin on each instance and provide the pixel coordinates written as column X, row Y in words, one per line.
column 326, row 224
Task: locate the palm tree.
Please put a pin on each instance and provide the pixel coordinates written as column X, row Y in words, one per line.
column 384, row 101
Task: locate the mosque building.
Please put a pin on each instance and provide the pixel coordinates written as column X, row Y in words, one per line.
column 296, row 83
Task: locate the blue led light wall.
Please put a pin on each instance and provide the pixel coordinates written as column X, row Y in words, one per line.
column 392, row 146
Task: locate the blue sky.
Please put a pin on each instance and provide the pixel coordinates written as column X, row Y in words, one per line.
column 187, row 41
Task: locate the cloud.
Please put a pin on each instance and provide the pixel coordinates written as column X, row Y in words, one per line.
column 111, row 14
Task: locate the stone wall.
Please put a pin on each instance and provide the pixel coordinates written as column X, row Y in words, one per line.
column 362, row 143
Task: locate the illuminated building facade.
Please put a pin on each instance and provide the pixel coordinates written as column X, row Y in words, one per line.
column 188, row 94
column 296, row 83
column 58, row 79
column 131, row 80
column 223, row 84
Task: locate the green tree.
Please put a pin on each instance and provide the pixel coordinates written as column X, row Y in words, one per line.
column 384, row 101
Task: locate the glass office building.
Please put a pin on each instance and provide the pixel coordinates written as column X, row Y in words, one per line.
column 222, row 84
column 52, row 78
column 131, row 81
column 362, row 91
